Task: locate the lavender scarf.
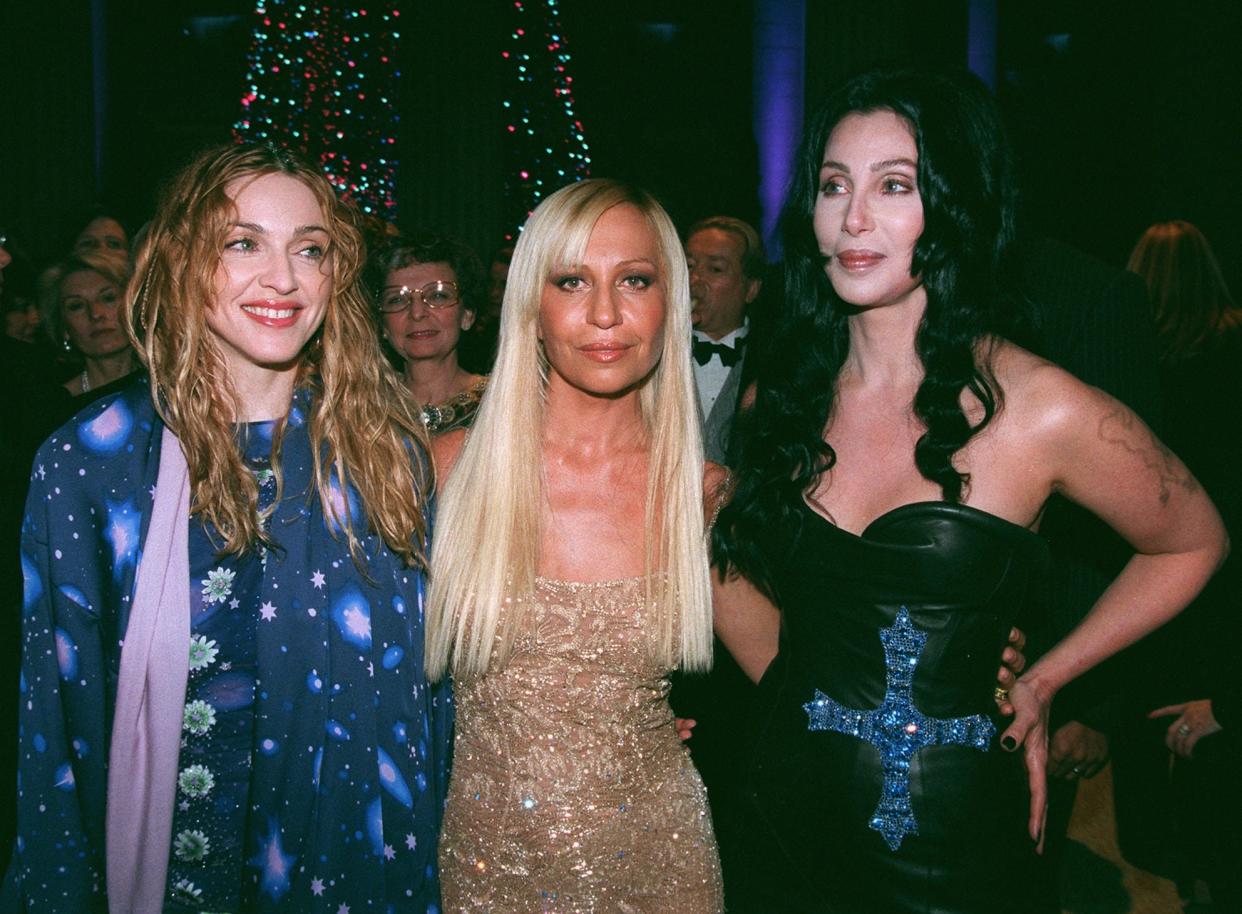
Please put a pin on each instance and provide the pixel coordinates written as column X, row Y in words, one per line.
column 146, row 727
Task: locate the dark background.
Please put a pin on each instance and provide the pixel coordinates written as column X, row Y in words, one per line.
column 1123, row 113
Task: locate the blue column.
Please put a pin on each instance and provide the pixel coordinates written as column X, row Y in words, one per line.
column 779, row 84
column 99, row 73
column 981, row 41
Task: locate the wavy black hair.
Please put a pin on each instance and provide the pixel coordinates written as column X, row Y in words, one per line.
column 965, row 181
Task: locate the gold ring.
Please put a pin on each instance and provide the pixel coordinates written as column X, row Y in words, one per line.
column 1000, row 693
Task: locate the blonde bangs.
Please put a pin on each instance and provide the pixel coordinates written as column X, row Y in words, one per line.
column 490, row 506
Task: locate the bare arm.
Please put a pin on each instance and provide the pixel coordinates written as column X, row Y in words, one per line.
column 745, row 621
column 1104, row 458
column 1109, row 462
column 444, row 452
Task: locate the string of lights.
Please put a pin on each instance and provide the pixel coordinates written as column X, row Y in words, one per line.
column 546, row 143
column 322, row 78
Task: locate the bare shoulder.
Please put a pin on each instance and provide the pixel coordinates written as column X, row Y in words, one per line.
column 445, row 449
column 717, row 483
column 1070, row 423
column 1044, row 398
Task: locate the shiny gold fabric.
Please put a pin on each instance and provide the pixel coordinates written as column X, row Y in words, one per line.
column 571, row 791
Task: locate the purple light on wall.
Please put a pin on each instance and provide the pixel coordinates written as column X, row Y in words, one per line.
column 780, row 54
column 981, row 41
column 99, row 74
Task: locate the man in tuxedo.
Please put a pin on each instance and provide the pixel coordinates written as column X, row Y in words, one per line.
column 726, row 263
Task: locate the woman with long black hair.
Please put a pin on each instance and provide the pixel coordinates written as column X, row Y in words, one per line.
column 891, row 475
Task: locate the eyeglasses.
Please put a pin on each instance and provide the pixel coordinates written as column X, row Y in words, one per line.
column 438, row 294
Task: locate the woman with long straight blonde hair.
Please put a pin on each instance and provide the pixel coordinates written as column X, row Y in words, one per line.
column 225, row 705
column 570, row 576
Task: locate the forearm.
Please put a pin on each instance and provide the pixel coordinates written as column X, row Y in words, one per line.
column 1150, row 591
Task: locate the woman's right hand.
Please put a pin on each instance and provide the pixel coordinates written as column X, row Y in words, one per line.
column 1031, row 706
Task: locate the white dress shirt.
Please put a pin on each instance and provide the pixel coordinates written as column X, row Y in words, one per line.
column 710, row 378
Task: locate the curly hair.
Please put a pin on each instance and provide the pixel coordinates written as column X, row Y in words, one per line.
column 965, row 183
column 361, row 424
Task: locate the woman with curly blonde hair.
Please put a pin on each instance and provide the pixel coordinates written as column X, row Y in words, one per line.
column 225, row 705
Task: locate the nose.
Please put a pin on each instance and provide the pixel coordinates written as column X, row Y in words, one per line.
column 418, row 306
column 101, row 308
column 5, row 257
column 858, row 214
column 603, row 311
column 698, row 286
column 278, row 273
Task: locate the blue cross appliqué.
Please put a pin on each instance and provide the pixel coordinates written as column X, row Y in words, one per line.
column 897, row 728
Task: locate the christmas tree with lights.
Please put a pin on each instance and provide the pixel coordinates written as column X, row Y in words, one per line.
column 546, row 145
column 322, row 78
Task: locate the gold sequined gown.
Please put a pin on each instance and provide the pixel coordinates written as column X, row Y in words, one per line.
column 571, row 791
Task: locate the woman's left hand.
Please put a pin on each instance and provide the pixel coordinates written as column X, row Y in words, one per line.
column 1030, row 731
column 1193, row 721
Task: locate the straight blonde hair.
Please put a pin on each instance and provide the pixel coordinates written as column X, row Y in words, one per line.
column 363, row 429
column 488, row 533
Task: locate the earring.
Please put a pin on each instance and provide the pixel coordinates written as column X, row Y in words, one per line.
column 68, row 345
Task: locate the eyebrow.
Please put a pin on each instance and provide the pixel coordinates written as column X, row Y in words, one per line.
column 874, row 167
column 260, row 230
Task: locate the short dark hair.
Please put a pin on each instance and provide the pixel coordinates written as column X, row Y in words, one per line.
column 429, row 247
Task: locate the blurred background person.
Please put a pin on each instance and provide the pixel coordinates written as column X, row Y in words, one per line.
column 26, row 391
column 727, row 265
column 478, row 345
column 429, row 289
column 19, row 302
column 80, row 298
column 1199, row 333
column 99, row 232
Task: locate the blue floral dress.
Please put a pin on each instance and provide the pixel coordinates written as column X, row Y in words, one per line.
column 314, row 754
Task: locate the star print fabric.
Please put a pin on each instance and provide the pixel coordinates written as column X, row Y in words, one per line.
column 314, row 754
column 205, row 868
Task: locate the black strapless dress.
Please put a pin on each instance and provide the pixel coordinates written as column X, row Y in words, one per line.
column 877, row 774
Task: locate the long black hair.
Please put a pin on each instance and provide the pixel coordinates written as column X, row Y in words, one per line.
column 966, row 185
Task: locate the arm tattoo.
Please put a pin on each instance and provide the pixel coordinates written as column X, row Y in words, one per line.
column 1122, row 428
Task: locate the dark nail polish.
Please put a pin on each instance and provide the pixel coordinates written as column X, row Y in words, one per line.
column 1008, row 743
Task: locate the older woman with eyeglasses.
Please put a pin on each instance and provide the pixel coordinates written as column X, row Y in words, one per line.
column 428, row 289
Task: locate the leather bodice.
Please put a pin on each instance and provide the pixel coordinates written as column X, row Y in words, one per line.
column 961, row 573
column 914, row 808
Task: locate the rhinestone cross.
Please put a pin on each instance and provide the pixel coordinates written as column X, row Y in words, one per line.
column 897, row 728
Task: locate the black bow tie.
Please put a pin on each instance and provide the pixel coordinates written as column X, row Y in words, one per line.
column 729, row 355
